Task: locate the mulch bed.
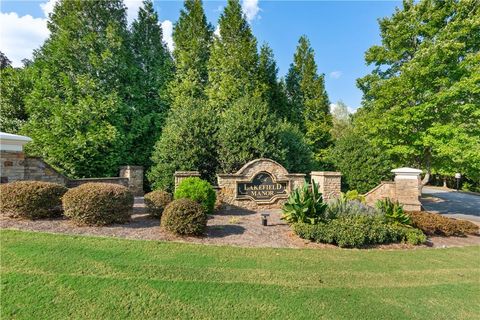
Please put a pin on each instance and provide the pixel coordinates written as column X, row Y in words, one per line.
column 233, row 228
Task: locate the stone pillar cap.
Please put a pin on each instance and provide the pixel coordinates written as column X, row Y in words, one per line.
column 405, row 170
column 12, row 142
column 326, row 173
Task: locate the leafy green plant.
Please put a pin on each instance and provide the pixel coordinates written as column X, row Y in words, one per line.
column 353, row 195
column 198, row 190
column 393, row 211
column 305, row 205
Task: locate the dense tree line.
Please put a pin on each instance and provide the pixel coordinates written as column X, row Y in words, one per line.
column 100, row 93
column 421, row 102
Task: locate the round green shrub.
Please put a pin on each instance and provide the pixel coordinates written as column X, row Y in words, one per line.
column 98, row 204
column 31, row 199
column 156, row 201
column 198, row 190
column 184, row 217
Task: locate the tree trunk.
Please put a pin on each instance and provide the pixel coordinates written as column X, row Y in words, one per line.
column 426, row 178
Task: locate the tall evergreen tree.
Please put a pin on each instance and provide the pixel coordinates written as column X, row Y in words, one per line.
column 273, row 90
column 188, row 138
column 308, row 99
column 192, row 36
column 154, row 72
column 233, row 64
column 82, row 74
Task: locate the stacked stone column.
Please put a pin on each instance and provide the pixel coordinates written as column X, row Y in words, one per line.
column 329, row 183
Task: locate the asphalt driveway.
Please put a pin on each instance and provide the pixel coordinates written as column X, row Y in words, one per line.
column 452, row 203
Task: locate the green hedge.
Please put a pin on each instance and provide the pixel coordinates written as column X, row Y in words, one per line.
column 31, row 199
column 198, row 190
column 98, row 204
column 358, row 231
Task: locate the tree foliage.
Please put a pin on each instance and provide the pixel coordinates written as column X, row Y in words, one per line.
column 233, row 64
column 153, row 67
column 77, row 106
column 421, row 101
column 309, row 104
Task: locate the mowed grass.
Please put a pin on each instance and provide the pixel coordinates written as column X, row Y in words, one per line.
column 46, row 276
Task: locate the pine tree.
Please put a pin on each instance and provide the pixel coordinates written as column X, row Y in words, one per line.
column 77, row 107
column 273, row 90
column 154, row 71
column 188, row 138
column 233, row 64
column 308, row 99
column 192, row 36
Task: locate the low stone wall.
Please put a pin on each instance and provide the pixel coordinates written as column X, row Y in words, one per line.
column 38, row 170
column 115, row 180
column 386, row 189
column 406, row 189
column 15, row 167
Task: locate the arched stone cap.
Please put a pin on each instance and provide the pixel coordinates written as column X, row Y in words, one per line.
column 257, row 162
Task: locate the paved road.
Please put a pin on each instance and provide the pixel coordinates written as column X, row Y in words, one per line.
column 452, row 203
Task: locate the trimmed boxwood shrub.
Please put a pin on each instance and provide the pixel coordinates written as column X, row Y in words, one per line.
column 435, row 224
column 156, row 201
column 358, row 231
column 98, row 204
column 198, row 190
column 184, row 217
column 31, row 199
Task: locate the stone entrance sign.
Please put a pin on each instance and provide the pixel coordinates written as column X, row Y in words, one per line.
column 262, row 188
column 260, row 184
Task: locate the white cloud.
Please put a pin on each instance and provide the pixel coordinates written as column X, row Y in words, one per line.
column 167, row 28
column 47, row 7
column 19, row 36
column 132, row 9
column 251, row 9
column 217, row 31
column 336, row 74
column 334, row 107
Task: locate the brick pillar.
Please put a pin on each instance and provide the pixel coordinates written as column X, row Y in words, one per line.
column 408, row 188
column 329, row 183
column 181, row 175
column 134, row 174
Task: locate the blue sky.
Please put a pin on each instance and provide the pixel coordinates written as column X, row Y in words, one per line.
column 340, row 32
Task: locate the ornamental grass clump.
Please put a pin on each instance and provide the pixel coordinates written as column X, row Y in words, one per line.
column 31, row 199
column 98, row 204
column 184, row 217
column 198, row 190
column 156, row 202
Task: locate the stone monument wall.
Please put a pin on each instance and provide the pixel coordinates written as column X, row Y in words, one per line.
column 259, row 185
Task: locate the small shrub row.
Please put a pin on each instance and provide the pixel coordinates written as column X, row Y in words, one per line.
column 435, row 224
column 358, row 231
column 31, row 199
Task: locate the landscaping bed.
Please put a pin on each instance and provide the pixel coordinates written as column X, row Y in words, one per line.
column 239, row 228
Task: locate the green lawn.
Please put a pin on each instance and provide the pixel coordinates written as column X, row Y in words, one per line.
column 45, row 276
